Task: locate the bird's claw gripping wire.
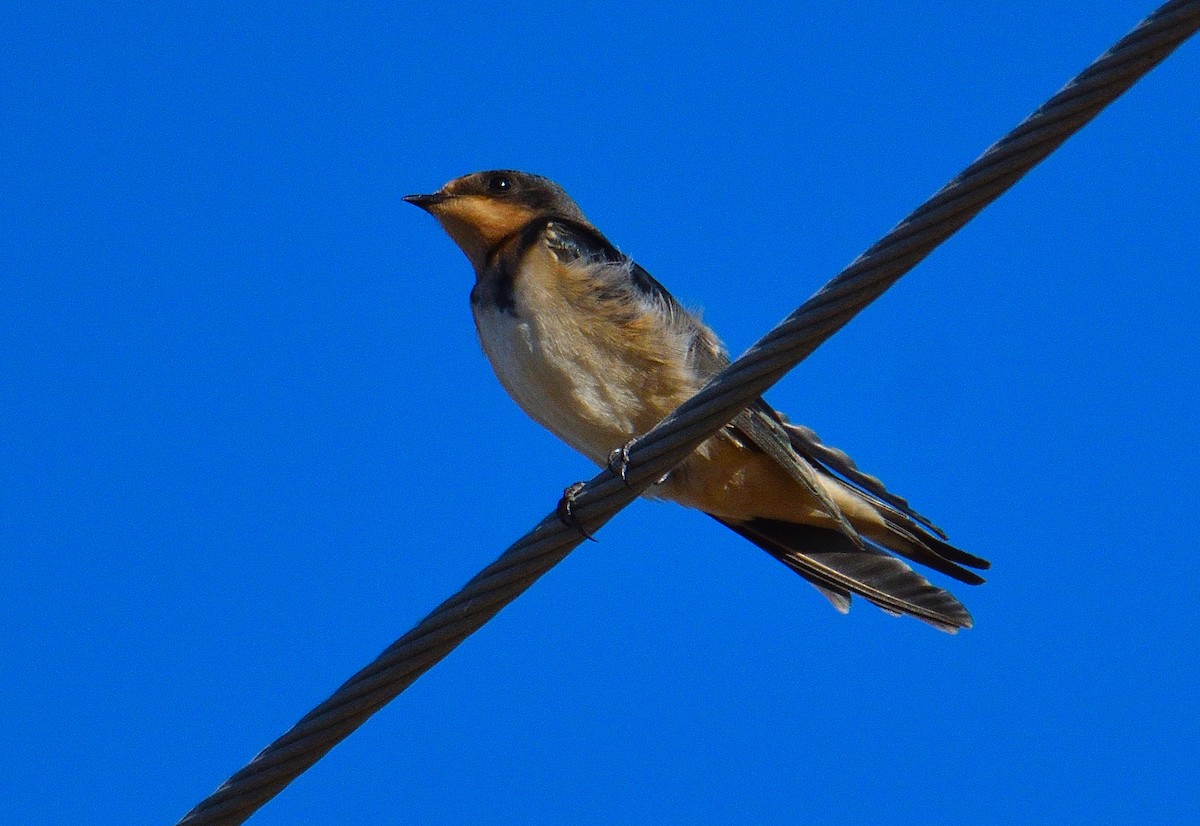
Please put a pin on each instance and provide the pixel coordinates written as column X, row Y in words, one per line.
column 565, row 514
column 618, row 461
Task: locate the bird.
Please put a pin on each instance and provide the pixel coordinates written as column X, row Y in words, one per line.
column 597, row 351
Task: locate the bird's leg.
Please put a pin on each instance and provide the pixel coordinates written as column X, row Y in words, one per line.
column 564, row 509
column 618, row 461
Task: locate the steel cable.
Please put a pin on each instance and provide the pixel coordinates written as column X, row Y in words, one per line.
column 667, row 444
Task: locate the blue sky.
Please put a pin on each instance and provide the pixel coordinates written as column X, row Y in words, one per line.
column 248, row 437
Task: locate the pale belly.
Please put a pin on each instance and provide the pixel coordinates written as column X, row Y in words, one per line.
column 564, row 382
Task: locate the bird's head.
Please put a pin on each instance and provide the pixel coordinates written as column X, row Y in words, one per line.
column 482, row 209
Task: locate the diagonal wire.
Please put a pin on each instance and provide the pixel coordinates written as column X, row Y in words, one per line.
column 721, row 400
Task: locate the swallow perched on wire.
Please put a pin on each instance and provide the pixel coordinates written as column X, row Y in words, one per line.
column 598, row 352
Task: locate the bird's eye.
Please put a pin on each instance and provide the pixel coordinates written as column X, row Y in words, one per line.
column 499, row 184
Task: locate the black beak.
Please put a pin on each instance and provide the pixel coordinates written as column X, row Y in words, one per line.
column 426, row 201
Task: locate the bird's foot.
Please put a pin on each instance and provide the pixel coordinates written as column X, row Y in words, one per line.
column 618, row 461
column 565, row 513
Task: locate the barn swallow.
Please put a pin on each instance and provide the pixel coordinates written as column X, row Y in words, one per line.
column 598, row 352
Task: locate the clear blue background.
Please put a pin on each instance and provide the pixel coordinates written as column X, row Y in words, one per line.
column 248, row 437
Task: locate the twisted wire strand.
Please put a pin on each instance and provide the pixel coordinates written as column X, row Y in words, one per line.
column 667, row 444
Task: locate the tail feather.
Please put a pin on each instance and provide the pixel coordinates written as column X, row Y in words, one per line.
column 911, row 535
column 838, row 597
column 806, row 442
column 838, row 567
column 933, row 553
column 932, row 550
